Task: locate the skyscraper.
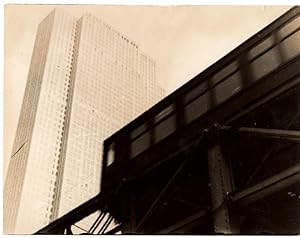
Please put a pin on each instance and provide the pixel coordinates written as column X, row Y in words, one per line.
column 86, row 80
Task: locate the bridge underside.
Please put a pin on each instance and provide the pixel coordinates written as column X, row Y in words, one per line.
column 240, row 178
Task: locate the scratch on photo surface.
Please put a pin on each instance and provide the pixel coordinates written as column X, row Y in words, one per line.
column 18, row 149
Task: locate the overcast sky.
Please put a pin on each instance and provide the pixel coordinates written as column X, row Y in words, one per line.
column 182, row 40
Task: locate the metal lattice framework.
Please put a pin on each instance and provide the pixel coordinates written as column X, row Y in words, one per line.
column 222, row 199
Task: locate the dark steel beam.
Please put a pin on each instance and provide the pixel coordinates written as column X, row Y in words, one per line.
column 69, row 231
column 159, row 197
column 288, row 135
column 183, row 222
column 97, row 222
column 221, row 184
column 188, row 203
column 267, row 187
column 105, row 225
column 75, row 215
column 182, row 149
column 128, row 212
column 114, row 230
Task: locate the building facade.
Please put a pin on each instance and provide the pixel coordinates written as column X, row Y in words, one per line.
column 86, row 80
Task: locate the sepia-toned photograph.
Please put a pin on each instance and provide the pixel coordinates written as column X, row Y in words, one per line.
column 151, row 119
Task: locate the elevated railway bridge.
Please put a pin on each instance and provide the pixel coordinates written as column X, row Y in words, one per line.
column 221, row 155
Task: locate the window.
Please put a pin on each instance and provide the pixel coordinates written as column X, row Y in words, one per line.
column 265, row 63
column 140, row 144
column 291, row 46
column 138, row 131
column 164, row 128
column 261, row 47
column 228, row 87
column 290, row 27
column 164, row 113
column 196, row 108
column 223, row 73
column 196, row 91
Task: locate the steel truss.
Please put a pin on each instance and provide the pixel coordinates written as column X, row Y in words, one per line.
column 222, row 192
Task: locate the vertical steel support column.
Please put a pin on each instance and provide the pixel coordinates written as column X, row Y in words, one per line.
column 129, row 213
column 220, row 186
column 132, row 213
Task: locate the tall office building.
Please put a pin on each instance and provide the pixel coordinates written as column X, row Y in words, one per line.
column 86, row 80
